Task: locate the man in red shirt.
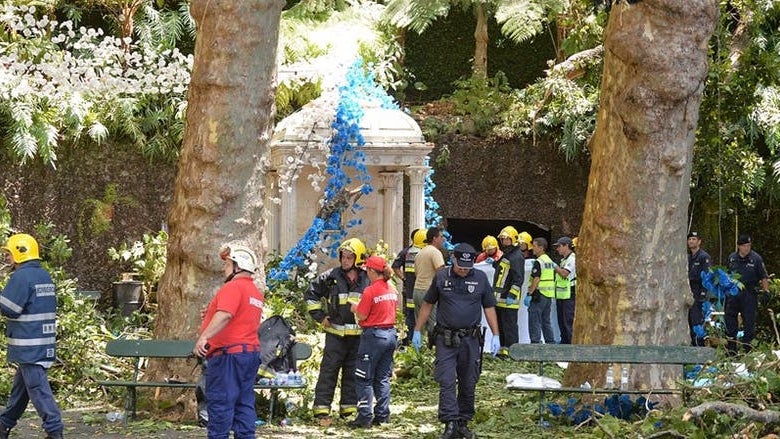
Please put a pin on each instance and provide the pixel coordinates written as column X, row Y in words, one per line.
column 228, row 340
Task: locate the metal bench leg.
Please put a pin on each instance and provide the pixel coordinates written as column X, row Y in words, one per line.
column 274, row 395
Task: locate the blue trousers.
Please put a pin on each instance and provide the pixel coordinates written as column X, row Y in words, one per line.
column 373, row 371
column 565, row 310
column 746, row 304
column 31, row 383
column 230, row 395
column 457, row 372
column 539, row 322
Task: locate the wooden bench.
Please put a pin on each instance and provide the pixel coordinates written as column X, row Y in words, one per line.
column 140, row 349
column 551, row 353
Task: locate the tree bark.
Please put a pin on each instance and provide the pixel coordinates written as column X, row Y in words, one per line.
column 480, row 42
column 632, row 283
column 219, row 191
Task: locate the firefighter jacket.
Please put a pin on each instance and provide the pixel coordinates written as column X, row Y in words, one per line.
column 546, row 284
column 331, row 294
column 30, row 304
column 406, row 259
column 508, row 280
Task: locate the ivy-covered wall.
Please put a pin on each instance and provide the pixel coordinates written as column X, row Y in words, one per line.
column 444, row 53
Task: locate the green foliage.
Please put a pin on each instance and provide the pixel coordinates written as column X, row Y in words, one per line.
column 482, row 100
column 292, row 95
column 96, row 215
column 147, row 257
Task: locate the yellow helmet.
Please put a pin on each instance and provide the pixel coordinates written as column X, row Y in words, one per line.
column 574, row 241
column 489, row 242
column 22, row 247
column 525, row 238
column 509, row 232
column 419, row 237
column 356, row 247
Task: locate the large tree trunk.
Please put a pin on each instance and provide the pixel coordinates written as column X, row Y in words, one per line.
column 480, row 42
column 218, row 193
column 632, row 283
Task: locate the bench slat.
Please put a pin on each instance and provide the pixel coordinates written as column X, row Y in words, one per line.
column 611, row 354
column 150, row 348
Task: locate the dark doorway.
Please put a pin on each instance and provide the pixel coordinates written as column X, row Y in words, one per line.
column 474, row 230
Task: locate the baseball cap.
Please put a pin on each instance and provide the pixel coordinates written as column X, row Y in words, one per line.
column 464, row 255
column 375, row 263
column 694, row 235
column 744, row 239
column 563, row 240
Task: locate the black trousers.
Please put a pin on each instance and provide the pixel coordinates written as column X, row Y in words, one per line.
column 340, row 355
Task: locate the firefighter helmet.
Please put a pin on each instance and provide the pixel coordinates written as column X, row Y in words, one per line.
column 22, row 247
column 356, row 247
column 525, row 238
column 244, row 257
column 509, row 232
column 419, row 237
column 489, row 242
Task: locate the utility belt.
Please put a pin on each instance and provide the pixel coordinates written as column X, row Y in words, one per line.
column 234, row 349
column 452, row 336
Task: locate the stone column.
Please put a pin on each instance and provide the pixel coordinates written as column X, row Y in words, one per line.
column 288, row 219
column 416, row 197
column 393, row 210
column 271, row 219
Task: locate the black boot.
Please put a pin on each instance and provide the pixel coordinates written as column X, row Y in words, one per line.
column 463, row 430
column 4, row 431
column 450, row 431
column 54, row 435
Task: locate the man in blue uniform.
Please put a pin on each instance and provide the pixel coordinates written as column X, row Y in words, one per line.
column 403, row 266
column 461, row 294
column 698, row 261
column 29, row 303
column 750, row 266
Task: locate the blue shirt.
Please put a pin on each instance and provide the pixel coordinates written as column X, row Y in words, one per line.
column 697, row 262
column 750, row 268
column 460, row 299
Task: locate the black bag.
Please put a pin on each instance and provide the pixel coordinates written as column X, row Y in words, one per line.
column 277, row 338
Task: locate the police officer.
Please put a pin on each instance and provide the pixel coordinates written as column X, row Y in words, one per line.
column 698, row 261
column 508, row 287
column 461, row 294
column 29, row 303
column 750, row 266
column 565, row 288
column 376, row 315
column 403, row 265
column 541, row 293
column 228, row 338
column 338, row 288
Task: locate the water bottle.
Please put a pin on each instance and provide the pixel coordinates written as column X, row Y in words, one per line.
column 298, row 378
column 624, row 378
column 610, row 384
column 115, row 416
column 290, row 377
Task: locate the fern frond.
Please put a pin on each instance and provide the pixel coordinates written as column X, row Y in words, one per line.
column 415, row 15
column 520, row 20
column 98, row 132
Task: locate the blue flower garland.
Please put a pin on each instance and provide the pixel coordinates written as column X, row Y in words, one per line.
column 359, row 88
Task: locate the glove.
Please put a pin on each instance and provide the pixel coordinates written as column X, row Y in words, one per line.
column 510, row 301
column 527, row 301
column 495, row 345
column 699, row 331
column 417, row 340
column 489, row 260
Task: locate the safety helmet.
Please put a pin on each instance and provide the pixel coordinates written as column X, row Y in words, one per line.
column 525, row 238
column 574, row 242
column 356, row 247
column 244, row 258
column 22, row 247
column 489, row 242
column 509, row 232
column 419, row 238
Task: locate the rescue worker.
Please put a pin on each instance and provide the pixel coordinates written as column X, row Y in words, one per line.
column 750, row 266
column 542, row 291
column 507, row 286
column 565, row 283
column 403, row 265
column 29, row 303
column 698, row 262
column 228, row 340
column 490, row 250
column 338, row 287
column 429, row 260
column 376, row 315
column 461, row 293
column 524, row 241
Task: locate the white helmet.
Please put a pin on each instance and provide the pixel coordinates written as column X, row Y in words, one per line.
column 244, row 258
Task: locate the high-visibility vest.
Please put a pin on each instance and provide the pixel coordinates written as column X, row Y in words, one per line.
column 547, row 278
column 563, row 284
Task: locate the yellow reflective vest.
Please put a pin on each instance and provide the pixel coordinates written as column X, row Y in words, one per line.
column 563, row 284
column 547, row 278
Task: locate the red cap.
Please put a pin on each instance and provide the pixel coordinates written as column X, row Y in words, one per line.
column 375, row 263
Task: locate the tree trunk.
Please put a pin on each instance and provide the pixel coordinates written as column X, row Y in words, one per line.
column 480, row 42
column 632, row 283
column 218, row 192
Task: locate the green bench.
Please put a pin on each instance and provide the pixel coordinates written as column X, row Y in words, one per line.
column 552, row 353
column 140, row 349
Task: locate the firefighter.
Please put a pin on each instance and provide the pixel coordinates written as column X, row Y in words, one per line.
column 490, row 250
column 404, row 269
column 328, row 301
column 29, row 303
column 507, row 286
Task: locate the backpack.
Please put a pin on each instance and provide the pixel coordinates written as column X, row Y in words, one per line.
column 277, row 338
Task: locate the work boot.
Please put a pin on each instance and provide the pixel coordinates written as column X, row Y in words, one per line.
column 380, row 421
column 357, row 423
column 450, row 431
column 54, row 435
column 4, row 431
column 463, row 430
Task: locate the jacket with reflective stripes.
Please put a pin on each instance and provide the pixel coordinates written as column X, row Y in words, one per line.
column 332, row 294
column 29, row 302
column 508, row 280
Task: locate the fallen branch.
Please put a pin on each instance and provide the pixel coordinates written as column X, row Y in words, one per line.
column 733, row 410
